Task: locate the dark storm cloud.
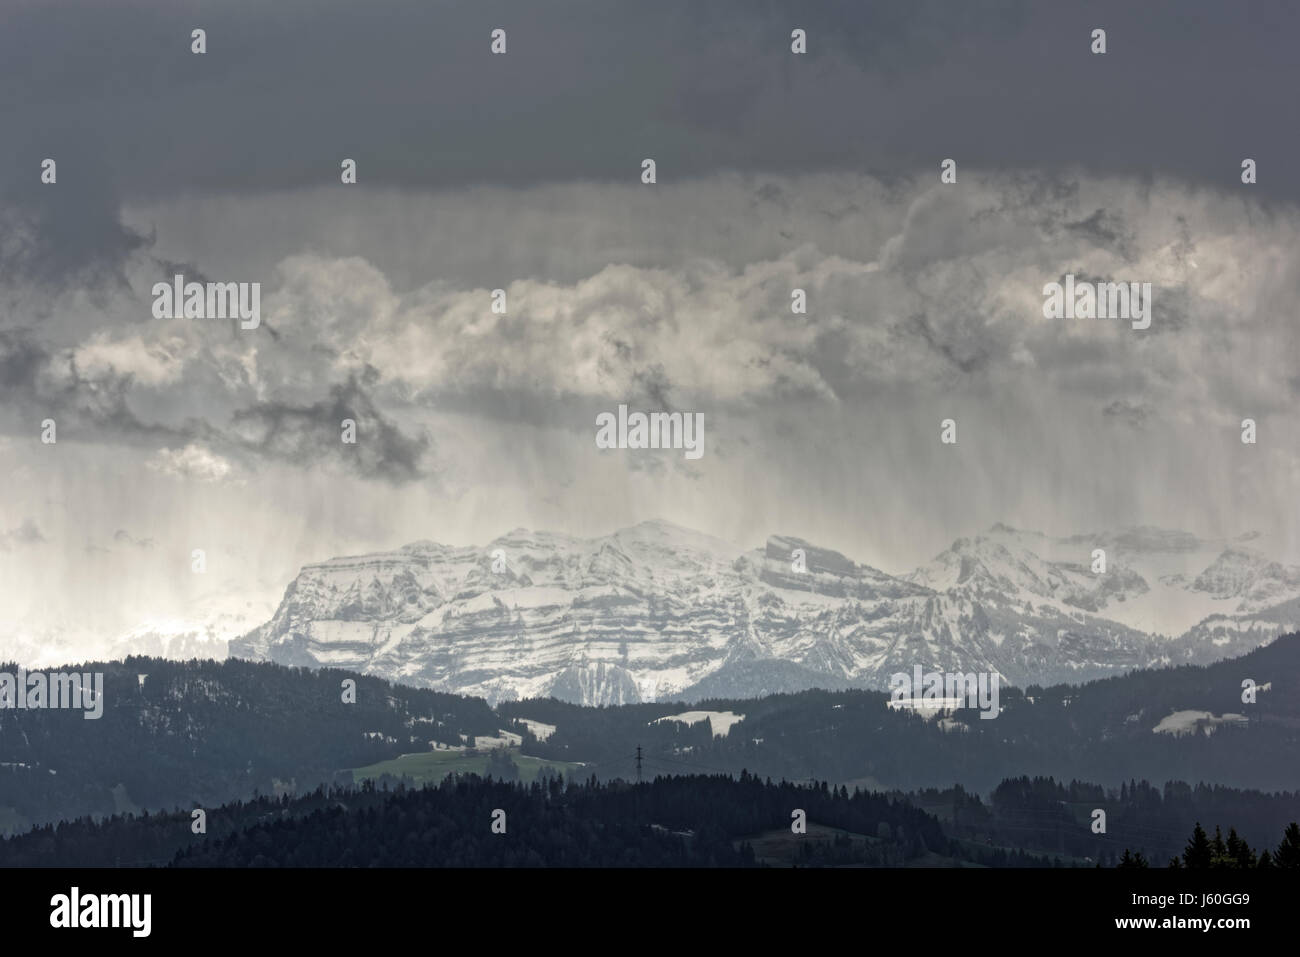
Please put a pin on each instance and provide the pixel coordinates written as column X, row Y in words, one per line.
column 169, row 268
column 302, row 434
column 1134, row 414
column 1104, row 229
column 36, row 383
column 53, row 234
column 21, row 360
column 654, row 383
column 976, row 352
column 588, row 88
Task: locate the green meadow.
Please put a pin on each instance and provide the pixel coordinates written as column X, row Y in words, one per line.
column 432, row 766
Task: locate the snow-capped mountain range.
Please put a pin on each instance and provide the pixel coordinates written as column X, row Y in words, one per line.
column 658, row 611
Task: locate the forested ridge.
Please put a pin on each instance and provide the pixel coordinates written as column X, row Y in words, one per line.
column 670, row 821
column 1101, row 731
column 206, row 732
column 682, row 821
column 202, row 733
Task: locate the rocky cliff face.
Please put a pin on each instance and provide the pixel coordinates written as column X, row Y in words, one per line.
column 658, row 611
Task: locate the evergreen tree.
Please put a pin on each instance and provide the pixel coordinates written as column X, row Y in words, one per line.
column 1130, row 860
column 501, row 766
column 1288, row 852
column 1219, row 856
column 1239, row 850
column 1198, row 853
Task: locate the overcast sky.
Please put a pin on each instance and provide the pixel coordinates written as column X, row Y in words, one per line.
column 522, row 171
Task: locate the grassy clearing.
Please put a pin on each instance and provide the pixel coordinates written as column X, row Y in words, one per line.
column 432, row 766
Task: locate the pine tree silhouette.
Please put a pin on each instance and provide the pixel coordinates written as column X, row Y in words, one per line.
column 1198, row 853
column 1239, row 850
column 1288, row 852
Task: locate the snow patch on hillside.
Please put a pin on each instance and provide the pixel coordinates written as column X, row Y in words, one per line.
column 1189, row 722
column 720, row 721
column 541, row 731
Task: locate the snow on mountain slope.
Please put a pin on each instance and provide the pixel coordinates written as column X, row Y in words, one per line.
column 1255, row 581
column 657, row 611
column 1000, row 563
column 1157, row 580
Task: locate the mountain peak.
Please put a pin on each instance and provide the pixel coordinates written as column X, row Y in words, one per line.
column 654, row 609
